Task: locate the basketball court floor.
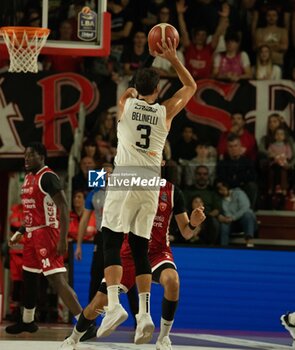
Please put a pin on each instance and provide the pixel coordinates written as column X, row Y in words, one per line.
column 50, row 336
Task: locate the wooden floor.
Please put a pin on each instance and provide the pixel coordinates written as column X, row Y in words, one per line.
column 50, row 336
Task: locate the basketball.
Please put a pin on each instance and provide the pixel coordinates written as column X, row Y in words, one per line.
column 159, row 32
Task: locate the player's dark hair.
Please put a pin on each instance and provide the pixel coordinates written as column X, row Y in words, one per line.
column 146, row 81
column 38, row 147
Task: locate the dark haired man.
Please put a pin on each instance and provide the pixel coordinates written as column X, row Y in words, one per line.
column 142, row 130
column 45, row 236
column 238, row 127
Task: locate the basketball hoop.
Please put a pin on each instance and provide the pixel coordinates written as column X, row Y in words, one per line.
column 24, row 45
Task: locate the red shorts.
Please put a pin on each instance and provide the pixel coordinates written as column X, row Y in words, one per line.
column 40, row 252
column 16, row 267
column 156, row 260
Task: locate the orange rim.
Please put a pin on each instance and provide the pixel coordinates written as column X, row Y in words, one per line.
column 30, row 31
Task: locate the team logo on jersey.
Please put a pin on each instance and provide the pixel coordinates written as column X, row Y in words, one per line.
column 162, row 206
column 164, row 196
column 43, row 252
column 97, row 178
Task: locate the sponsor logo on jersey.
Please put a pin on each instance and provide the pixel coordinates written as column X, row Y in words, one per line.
column 162, row 206
column 43, row 252
column 164, row 196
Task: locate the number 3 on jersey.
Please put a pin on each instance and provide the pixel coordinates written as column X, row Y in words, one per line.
column 144, row 136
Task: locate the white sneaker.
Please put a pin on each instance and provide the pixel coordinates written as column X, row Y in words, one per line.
column 164, row 344
column 144, row 329
column 68, row 344
column 289, row 327
column 112, row 319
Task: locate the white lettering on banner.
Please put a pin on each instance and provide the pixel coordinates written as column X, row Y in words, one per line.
column 8, row 134
column 266, row 101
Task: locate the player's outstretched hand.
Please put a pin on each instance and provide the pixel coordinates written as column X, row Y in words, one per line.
column 197, row 216
column 167, row 50
column 62, row 247
column 78, row 252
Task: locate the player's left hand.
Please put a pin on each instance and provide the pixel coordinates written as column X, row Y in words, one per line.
column 167, row 50
column 62, row 247
column 197, row 216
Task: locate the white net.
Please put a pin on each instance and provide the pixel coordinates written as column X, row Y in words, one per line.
column 24, row 46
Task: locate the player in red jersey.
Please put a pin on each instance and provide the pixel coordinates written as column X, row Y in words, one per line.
column 171, row 202
column 46, row 222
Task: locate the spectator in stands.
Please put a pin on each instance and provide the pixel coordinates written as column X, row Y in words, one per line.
column 135, row 54
column 261, row 7
column 238, row 170
column 106, row 136
column 245, row 17
column 274, row 122
column 75, row 216
column 248, row 141
column 162, row 66
column 281, row 159
column 232, row 64
column 73, row 13
column 207, row 12
column 80, row 180
column 201, row 188
column 184, row 148
column 121, row 26
column 157, row 11
column 64, row 63
column 273, row 36
column 133, row 57
column 236, row 214
column 264, row 68
column 90, row 149
column 205, row 155
column 199, row 54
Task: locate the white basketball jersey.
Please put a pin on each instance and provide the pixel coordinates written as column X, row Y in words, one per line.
column 142, row 132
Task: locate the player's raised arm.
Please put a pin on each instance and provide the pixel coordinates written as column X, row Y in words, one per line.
column 130, row 92
column 179, row 100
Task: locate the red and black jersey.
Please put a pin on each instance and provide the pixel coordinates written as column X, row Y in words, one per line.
column 171, row 202
column 39, row 208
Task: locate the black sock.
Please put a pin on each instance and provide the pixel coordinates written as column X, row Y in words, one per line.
column 168, row 309
column 83, row 323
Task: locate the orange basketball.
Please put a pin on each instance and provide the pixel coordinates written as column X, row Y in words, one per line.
column 159, row 32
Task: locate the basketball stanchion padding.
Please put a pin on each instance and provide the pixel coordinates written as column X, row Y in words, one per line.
column 24, row 45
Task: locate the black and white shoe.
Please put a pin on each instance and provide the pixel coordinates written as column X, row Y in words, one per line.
column 289, row 327
column 20, row 327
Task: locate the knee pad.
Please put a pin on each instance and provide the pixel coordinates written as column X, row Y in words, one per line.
column 139, row 248
column 112, row 242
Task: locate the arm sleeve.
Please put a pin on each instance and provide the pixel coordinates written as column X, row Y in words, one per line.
column 179, row 204
column 50, row 183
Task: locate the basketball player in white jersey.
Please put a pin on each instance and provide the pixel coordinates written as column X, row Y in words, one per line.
column 143, row 126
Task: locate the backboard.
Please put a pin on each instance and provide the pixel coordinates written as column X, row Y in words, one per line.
column 74, row 31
